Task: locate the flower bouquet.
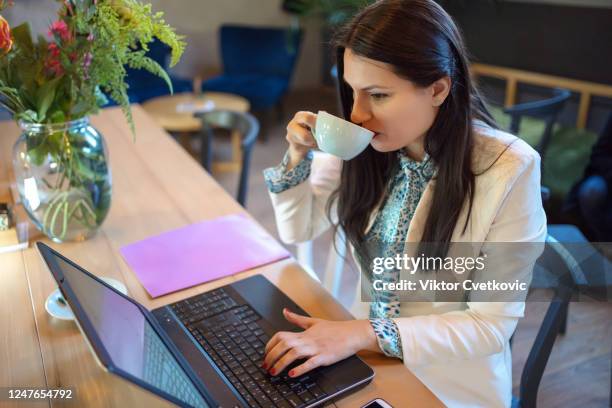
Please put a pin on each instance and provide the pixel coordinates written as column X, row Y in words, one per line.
column 52, row 84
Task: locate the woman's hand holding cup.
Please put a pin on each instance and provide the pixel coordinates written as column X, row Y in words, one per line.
column 300, row 137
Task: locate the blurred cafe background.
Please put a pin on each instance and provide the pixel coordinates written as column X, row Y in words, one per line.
column 545, row 67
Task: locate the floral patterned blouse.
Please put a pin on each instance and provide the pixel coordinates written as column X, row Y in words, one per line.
column 388, row 231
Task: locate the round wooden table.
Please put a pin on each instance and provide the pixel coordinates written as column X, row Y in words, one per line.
column 175, row 113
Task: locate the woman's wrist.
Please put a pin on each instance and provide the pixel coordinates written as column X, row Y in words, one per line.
column 364, row 336
column 296, row 155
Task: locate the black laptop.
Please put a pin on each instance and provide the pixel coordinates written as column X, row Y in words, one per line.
column 204, row 351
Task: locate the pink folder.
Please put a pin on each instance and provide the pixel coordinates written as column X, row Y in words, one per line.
column 200, row 253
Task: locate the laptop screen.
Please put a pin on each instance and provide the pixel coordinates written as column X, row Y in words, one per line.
column 131, row 342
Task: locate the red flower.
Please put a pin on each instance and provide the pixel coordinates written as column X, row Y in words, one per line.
column 6, row 41
column 53, row 64
column 60, row 29
column 54, row 50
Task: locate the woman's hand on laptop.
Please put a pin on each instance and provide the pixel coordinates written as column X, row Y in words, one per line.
column 323, row 342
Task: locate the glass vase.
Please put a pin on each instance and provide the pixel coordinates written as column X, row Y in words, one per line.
column 63, row 178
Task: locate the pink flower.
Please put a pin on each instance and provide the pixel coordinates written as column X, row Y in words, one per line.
column 87, row 60
column 60, row 29
column 6, row 41
column 86, row 63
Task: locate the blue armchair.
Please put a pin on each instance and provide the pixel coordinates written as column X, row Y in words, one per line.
column 257, row 63
column 143, row 85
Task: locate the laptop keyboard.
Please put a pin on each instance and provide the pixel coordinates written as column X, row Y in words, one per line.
column 232, row 337
column 165, row 373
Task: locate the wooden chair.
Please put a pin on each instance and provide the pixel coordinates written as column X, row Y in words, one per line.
column 554, row 260
column 242, row 122
column 580, row 269
column 547, row 109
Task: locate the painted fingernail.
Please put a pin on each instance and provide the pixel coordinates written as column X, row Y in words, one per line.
column 264, row 366
column 291, row 373
column 272, row 371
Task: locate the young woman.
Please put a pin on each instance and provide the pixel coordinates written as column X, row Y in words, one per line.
column 436, row 171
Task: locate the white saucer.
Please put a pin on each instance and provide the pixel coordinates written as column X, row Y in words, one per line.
column 63, row 312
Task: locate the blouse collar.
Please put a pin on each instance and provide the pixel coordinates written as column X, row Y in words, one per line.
column 424, row 168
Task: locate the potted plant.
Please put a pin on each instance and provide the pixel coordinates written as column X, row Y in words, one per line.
column 52, row 85
column 333, row 13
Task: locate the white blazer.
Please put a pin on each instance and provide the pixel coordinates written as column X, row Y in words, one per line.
column 459, row 350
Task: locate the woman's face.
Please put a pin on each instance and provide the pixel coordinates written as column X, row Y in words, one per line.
column 399, row 112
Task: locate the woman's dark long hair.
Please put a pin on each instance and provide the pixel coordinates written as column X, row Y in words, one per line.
column 422, row 44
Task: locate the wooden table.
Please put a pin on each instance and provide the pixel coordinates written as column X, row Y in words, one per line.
column 169, row 112
column 157, row 187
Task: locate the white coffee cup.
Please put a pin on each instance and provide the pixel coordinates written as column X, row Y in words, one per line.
column 340, row 137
